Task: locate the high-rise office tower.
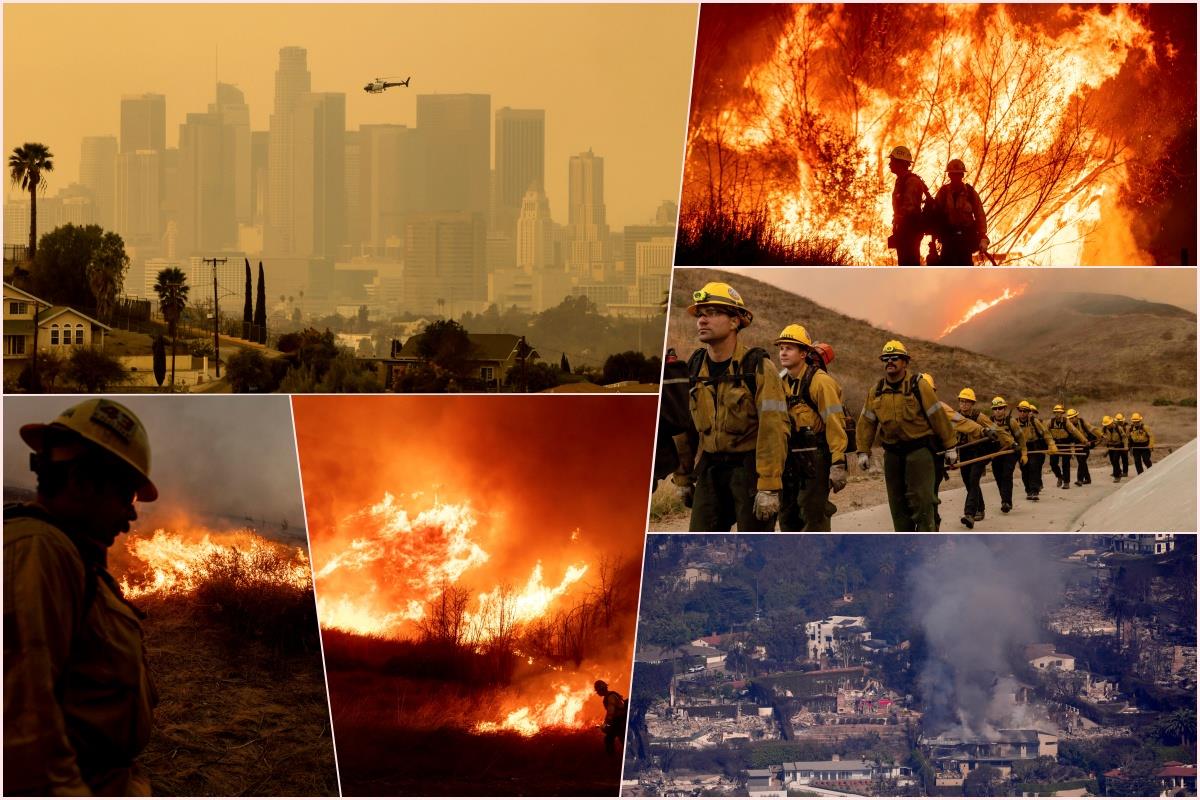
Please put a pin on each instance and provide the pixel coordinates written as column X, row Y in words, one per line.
column 292, row 82
column 98, row 172
column 319, row 190
column 520, row 161
column 352, row 207
column 535, row 232
column 138, row 187
column 444, row 263
column 393, row 180
column 457, row 132
column 587, row 228
column 143, row 122
column 207, row 185
column 258, row 176
column 231, row 106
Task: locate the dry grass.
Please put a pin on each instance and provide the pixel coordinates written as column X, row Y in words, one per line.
column 236, row 715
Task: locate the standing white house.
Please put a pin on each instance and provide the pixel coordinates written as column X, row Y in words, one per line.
column 59, row 328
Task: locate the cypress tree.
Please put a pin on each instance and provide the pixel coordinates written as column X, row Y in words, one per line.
column 260, row 308
column 563, row 364
column 248, row 308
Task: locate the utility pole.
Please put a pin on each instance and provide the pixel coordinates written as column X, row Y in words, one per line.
column 216, row 315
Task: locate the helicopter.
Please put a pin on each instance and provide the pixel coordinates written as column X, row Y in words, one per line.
column 379, row 84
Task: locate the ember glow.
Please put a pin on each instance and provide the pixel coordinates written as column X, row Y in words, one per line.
column 178, row 561
column 980, row 306
column 565, row 710
column 1036, row 100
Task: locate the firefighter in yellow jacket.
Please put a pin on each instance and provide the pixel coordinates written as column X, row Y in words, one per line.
column 738, row 407
column 962, row 224
column 1066, row 435
column 1038, row 443
column 1003, row 466
column 965, row 430
column 991, row 438
column 816, row 460
column 1113, row 437
column 1120, row 422
column 1141, row 442
column 77, row 692
column 912, row 427
column 1083, row 475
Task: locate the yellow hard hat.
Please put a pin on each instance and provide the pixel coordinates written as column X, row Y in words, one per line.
column 1072, row 413
column 894, row 348
column 999, row 402
column 1120, row 417
column 967, row 394
column 1135, row 417
column 1024, row 404
column 719, row 294
column 794, row 334
column 1059, row 407
column 956, row 165
column 929, row 378
column 108, row 425
column 1033, row 408
column 1107, row 421
column 901, row 153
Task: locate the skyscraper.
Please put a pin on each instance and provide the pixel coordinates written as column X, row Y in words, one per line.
column 520, row 161
column 587, row 229
column 392, row 182
column 98, row 172
column 143, row 122
column 457, row 132
column 292, row 81
column 207, row 184
column 231, row 106
column 319, row 191
column 138, row 176
column 535, row 233
column 443, row 263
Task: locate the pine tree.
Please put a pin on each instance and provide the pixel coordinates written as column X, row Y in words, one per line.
column 260, row 308
column 563, row 364
column 248, row 308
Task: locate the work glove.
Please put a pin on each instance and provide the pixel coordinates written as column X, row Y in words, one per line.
column 686, row 494
column 766, row 505
column 984, row 243
column 1024, row 459
column 1053, row 449
column 951, row 456
column 864, row 461
column 991, row 433
column 837, row 477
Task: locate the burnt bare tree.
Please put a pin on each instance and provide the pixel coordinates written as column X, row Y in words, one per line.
column 445, row 619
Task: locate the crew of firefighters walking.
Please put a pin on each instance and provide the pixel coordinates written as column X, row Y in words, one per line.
column 953, row 218
column 772, row 446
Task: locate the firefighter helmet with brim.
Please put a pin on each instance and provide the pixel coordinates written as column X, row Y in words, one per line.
column 794, row 334
column 109, row 426
column 720, row 294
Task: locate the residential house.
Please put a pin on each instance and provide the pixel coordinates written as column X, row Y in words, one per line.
column 826, row 636
column 1142, row 544
column 59, row 328
column 1058, row 661
column 800, row 773
column 491, row 357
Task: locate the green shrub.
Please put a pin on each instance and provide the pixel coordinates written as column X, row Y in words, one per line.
column 1162, row 401
column 1189, row 402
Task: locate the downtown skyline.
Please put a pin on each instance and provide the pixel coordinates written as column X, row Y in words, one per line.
column 620, row 91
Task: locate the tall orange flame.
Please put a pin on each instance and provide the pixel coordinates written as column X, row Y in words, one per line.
column 981, row 306
column 175, row 562
column 529, row 720
column 809, row 136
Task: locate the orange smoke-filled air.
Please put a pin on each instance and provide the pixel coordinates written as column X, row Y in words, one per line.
column 980, row 306
column 177, row 561
column 1025, row 95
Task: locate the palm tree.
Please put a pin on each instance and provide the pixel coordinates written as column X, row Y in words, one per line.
column 26, row 166
column 172, row 290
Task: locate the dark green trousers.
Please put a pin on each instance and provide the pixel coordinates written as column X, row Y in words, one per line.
column 910, row 481
column 804, row 502
column 726, row 484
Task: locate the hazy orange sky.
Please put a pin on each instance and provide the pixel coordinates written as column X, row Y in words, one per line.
column 533, row 468
column 614, row 78
column 921, row 302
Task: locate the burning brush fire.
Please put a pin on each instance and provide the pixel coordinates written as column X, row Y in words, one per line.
column 397, row 576
column 174, row 562
column 1047, row 105
column 981, row 306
